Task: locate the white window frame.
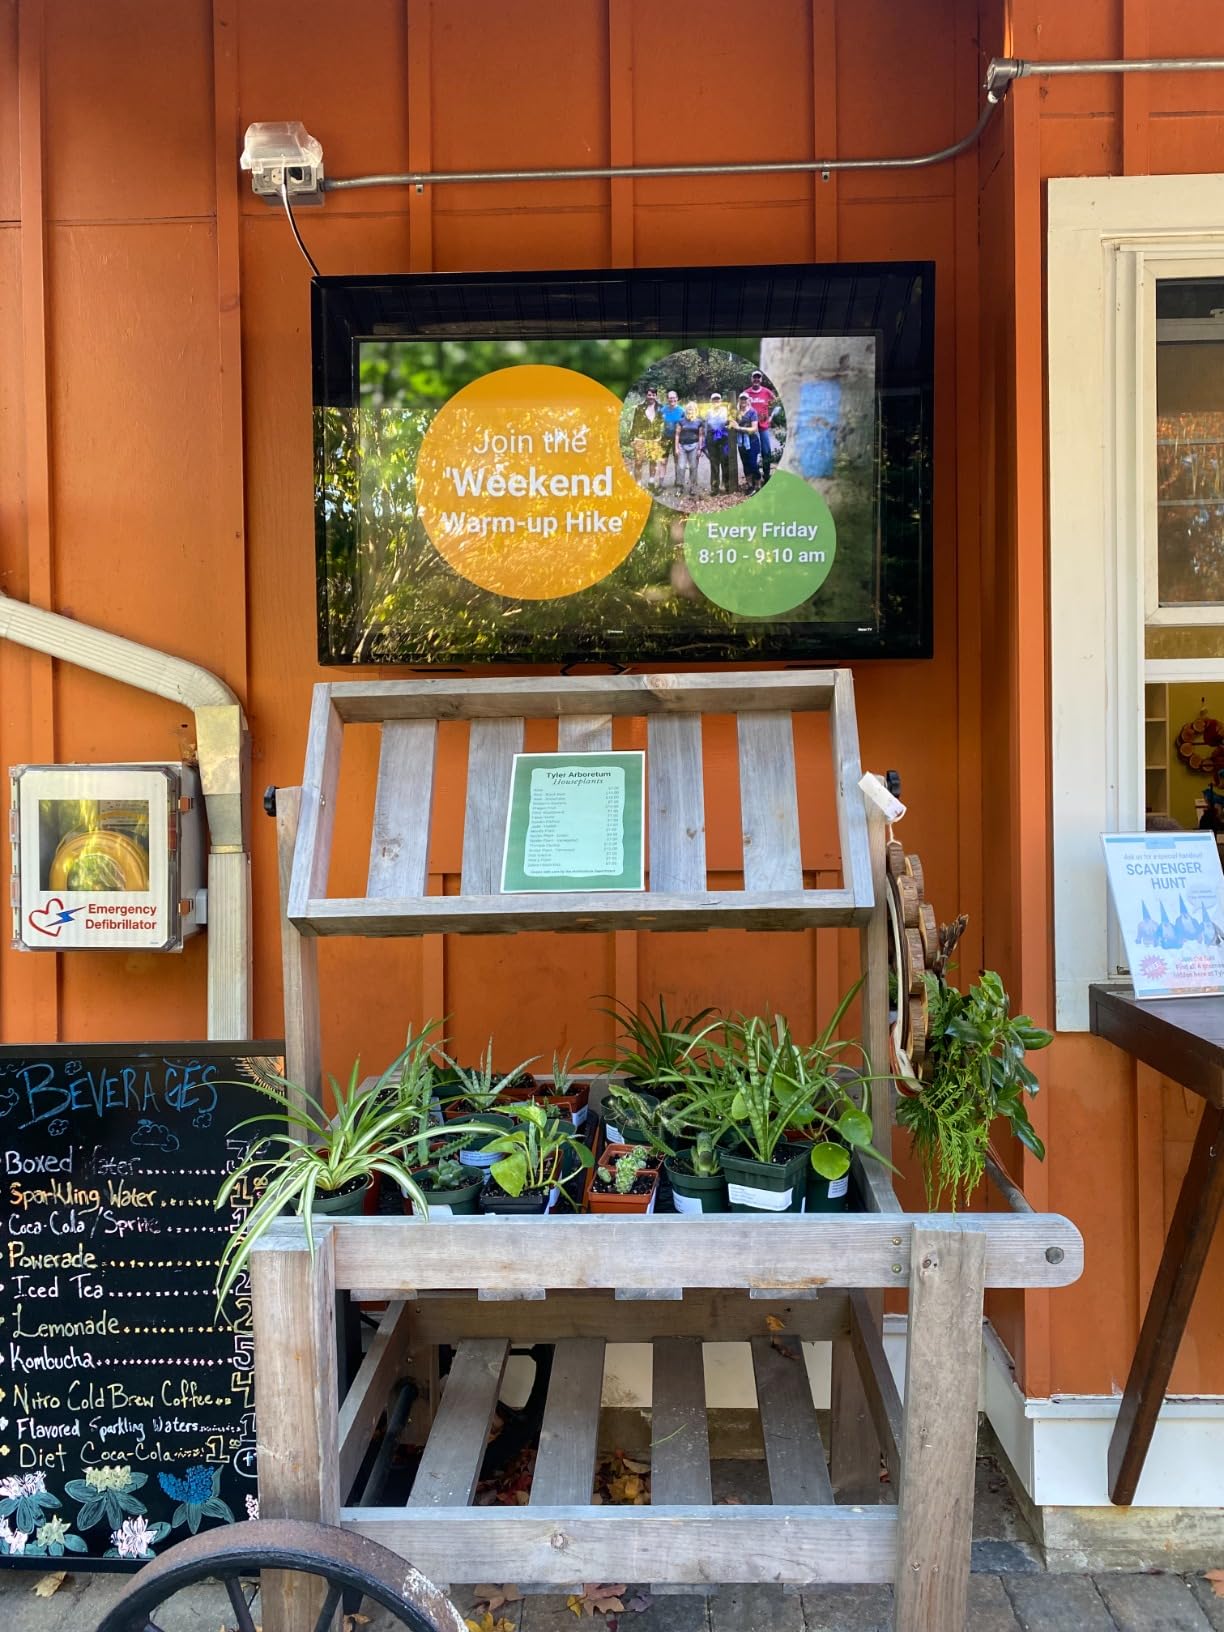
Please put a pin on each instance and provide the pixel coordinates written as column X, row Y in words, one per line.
column 1110, row 240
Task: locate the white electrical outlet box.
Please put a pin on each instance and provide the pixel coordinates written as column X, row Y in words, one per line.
column 106, row 857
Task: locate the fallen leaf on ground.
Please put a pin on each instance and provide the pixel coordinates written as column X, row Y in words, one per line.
column 492, row 1598
column 775, row 1323
column 1216, row 1577
column 598, row 1598
column 350, row 1623
column 48, row 1584
column 486, row 1623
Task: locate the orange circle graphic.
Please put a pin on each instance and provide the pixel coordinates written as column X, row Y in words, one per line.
column 521, row 485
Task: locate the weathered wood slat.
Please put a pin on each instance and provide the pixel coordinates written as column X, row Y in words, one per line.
column 584, row 733
column 851, row 806
column 506, row 914
column 676, row 796
column 399, row 844
column 879, row 1386
column 769, row 804
column 367, row 1395
column 684, row 1544
column 492, row 746
column 317, row 813
column 719, row 1317
column 935, row 1499
column 790, row 1252
column 450, row 1462
column 854, row 1447
column 297, row 1443
column 299, row 966
column 679, row 1428
column 449, row 698
column 798, row 1472
column 564, row 1472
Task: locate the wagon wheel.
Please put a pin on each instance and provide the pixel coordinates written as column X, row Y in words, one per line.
column 347, row 1562
column 918, row 945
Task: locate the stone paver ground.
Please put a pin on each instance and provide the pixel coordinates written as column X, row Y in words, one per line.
column 1009, row 1592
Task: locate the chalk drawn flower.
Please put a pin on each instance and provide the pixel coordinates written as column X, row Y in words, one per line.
column 25, row 1495
column 106, row 1494
column 14, row 1541
column 197, row 1496
column 252, row 1507
column 135, row 1538
column 53, row 1539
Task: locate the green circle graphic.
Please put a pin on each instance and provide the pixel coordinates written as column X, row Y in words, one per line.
column 767, row 555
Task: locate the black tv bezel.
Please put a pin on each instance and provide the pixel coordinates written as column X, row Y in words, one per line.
column 837, row 298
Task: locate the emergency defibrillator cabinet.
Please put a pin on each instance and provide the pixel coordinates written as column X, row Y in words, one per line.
column 106, row 857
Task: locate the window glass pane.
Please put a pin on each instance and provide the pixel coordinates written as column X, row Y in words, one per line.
column 1190, row 441
column 1185, row 640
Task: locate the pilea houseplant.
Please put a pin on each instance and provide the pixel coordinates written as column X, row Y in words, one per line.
column 531, row 1161
column 974, row 1071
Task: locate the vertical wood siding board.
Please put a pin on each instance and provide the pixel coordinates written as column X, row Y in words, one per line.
column 824, row 128
column 564, row 1473
column 299, row 965
column 491, row 750
column 419, row 31
column 677, row 803
column 798, row 1473
column 769, row 806
column 935, row 1519
column 851, row 806
column 621, row 91
column 584, row 733
column 320, row 779
column 41, row 976
column 450, row 1462
column 679, row 1426
column 403, row 800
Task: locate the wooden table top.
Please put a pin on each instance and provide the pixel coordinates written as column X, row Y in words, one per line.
column 1181, row 1037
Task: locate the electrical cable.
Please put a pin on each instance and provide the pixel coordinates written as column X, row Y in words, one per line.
column 284, row 192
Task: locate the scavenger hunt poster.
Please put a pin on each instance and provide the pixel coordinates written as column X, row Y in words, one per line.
column 1168, row 892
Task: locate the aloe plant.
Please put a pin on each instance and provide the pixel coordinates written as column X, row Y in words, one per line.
column 481, row 1084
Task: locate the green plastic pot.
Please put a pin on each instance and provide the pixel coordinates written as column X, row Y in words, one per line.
column 626, row 1132
column 696, row 1193
column 766, row 1187
column 459, row 1201
column 343, row 1203
column 477, row 1155
column 827, row 1195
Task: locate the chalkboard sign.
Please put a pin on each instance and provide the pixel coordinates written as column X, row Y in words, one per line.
column 126, row 1405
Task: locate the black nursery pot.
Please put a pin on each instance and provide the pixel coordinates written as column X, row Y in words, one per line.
column 766, row 1187
column 531, row 1204
column 696, row 1193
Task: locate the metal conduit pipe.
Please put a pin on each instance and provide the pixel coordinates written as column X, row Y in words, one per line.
column 1000, row 74
column 223, row 747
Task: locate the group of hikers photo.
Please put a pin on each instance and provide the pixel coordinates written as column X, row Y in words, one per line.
column 732, row 434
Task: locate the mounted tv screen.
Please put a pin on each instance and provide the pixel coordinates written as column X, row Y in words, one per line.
column 625, row 467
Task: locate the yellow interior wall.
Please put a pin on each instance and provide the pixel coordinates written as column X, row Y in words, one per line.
column 1185, row 785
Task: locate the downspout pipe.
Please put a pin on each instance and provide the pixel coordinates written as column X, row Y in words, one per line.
column 223, row 746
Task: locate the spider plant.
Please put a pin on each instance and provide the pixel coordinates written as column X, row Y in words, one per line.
column 657, row 1050
column 320, row 1156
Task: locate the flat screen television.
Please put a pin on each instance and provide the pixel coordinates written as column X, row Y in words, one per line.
column 677, row 465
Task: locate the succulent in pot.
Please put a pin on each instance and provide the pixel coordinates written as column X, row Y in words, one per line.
column 483, row 1087
column 532, row 1159
column 698, row 1182
column 625, row 1180
column 562, row 1091
column 449, row 1188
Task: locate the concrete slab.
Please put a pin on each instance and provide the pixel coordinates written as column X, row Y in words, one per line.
column 1211, row 1605
column 990, row 1609
column 847, row 1609
column 1151, row 1603
column 552, row 1614
column 754, row 1609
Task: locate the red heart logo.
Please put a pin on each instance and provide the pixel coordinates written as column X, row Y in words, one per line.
column 52, row 910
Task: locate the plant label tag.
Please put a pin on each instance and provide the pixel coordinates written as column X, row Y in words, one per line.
column 839, row 1187
column 768, row 1201
column 879, row 795
column 688, row 1205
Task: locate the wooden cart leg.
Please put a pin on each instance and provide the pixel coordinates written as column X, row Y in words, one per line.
column 854, row 1449
column 296, row 1429
column 939, row 1453
column 1185, row 1252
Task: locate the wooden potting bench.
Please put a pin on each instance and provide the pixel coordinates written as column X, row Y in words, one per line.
column 481, row 1284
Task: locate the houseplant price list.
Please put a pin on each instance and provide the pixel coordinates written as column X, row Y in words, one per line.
column 126, row 1401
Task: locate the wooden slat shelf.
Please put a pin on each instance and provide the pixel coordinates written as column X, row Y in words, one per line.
column 479, row 1285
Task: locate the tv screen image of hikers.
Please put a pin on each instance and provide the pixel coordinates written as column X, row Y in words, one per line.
column 623, row 498
column 126, row 1401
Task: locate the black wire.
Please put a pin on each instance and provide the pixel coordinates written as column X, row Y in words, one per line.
column 284, row 192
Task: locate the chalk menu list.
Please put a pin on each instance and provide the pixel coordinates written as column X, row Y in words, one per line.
column 126, row 1405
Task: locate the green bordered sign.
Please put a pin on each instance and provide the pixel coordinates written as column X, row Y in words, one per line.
column 575, row 823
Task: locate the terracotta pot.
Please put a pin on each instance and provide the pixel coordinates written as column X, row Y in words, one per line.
column 609, row 1201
